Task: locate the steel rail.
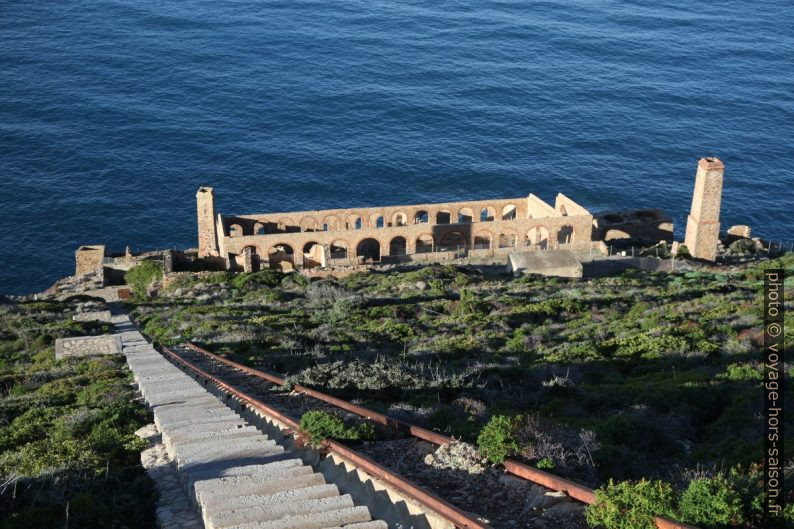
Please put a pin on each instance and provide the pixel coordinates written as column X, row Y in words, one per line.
column 461, row 519
column 572, row 489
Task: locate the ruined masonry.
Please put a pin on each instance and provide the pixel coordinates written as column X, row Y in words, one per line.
column 237, row 476
column 703, row 224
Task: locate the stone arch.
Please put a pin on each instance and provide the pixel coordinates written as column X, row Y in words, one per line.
column 309, row 224
column 279, row 253
column 377, row 220
column 538, row 236
column 259, row 228
column 452, row 241
column 353, row 222
column 565, row 234
column 399, row 218
column 339, row 249
column 465, row 215
column 487, row 214
column 424, row 243
column 443, row 216
column 235, row 230
column 421, row 217
column 398, row 246
column 313, row 255
column 369, row 249
column 330, row 223
column 614, row 233
column 507, row 239
column 287, row 225
column 509, row 212
column 482, row 240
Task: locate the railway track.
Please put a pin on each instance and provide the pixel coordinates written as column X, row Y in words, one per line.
column 516, row 496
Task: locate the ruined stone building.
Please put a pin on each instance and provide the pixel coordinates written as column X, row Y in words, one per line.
column 703, row 224
column 390, row 234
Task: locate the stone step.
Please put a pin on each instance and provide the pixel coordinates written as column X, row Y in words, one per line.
column 338, row 517
column 237, row 482
column 262, row 488
column 254, row 500
column 263, row 513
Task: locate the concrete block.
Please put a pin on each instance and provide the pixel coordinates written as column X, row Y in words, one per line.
column 339, row 517
column 261, row 489
column 263, row 513
column 253, row 500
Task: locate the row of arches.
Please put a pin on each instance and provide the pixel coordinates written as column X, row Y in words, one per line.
column 464, row 215
column 313, row 253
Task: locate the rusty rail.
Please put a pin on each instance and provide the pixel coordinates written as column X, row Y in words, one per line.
column 571, row 488
column 458, row 517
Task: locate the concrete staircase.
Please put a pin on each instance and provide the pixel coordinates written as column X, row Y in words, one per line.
column 237, row 476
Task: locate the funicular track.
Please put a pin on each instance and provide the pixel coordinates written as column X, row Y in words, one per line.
column 263, row 391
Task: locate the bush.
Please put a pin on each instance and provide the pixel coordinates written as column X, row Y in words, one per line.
column 712, row 503
column 139, row 277
column 320, row 425
column 630, row 505
column 498, row 438
column 741, row 372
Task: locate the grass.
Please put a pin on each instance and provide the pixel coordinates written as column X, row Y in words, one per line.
column 673, row 358
column 68, row 453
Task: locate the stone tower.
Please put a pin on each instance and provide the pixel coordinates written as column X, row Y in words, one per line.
column 207, row 238
column 703, row 224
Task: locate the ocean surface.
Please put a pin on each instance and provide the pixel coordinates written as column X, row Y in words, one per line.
column 112, row 113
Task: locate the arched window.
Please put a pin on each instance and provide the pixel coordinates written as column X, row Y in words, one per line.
column 487, row 214
column 313, row 255
column 397, row 246
column 369, row 249
column 452, row 241
column 331, row 222
column 399, row 219
column 424, row 244
column 509, row 212
column 353, row 222
column 259, row 228
column 565, row 235
column 507, row 239
column 421, row 217
column 235, row 230
column 280, row 252
column 465, row 216
column 482, row 240
column 443, row 217
column 539, row 237
column 339, row 249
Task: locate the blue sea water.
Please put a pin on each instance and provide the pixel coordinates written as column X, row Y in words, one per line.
column 113, row 112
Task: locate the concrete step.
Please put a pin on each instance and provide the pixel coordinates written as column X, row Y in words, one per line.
column 262, row 488
column 321, row 520
column 234, row 483
column 263, row 513
column 254, row 500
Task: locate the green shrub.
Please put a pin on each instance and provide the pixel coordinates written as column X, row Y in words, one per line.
column 139, row 277
column 741, row 372
column 498, row 438
column 319, row 425
column 265, row 278
column 711, row 503
column 546, row 463
column 630, row 505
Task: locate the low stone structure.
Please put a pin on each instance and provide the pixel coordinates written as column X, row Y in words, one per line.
column 87, row 346
column 647, row 225
column 558, row 263
column 89, row 259
column 98, row 315
column 390, row 234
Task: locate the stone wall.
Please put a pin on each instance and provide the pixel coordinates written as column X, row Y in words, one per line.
column 87, row 346
column 384, row 235
column 99, row 315
column 89, row 259
column 703, row 224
